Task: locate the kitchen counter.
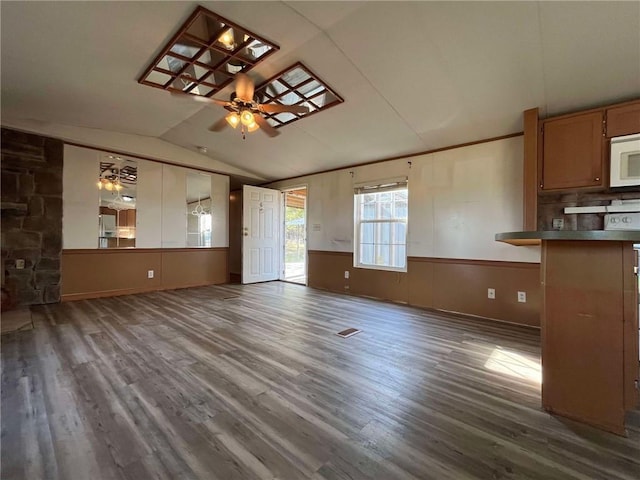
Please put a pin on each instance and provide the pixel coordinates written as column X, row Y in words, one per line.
column 535, row 237
column 589, row 323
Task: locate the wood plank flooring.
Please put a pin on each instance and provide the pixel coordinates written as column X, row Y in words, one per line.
column 251, row 382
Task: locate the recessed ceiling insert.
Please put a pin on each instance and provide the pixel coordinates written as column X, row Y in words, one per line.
column 296, row 85
column 205, row 54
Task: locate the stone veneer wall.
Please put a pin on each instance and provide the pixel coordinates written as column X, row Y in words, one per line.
column 31, row 216
column 552, row 206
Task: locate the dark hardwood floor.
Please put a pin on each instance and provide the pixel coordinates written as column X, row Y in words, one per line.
column 251, row 382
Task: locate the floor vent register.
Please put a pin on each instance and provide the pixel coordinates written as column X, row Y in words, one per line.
column 349, row 332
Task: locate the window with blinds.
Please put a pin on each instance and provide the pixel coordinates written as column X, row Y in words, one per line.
column 381, row 212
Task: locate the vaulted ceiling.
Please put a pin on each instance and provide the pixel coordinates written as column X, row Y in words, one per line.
column 414, row 75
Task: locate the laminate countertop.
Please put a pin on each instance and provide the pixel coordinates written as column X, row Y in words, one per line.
column 536, row 237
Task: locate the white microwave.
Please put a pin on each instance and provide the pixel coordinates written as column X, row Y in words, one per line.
column 625, row 161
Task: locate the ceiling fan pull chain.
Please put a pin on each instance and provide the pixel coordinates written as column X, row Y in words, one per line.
column 242, row 130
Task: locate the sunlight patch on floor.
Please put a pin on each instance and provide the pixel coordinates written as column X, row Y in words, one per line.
column 514, row 364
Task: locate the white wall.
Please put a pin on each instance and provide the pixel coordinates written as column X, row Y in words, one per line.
column 81, row 198
column 220, row 210
column 458, row 200
column 174, row 207
column 149, row 205
column 161, row 207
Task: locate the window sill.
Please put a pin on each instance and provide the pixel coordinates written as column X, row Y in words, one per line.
column 381, row 267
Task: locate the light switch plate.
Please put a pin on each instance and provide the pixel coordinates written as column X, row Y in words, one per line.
column 491, row 293
column 522, row 297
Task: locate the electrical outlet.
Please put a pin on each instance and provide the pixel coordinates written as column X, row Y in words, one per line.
column 150, row 274
column 491, row 293
column 557, row 223
column 346, row 274
column 522, row 297
column 20, row 263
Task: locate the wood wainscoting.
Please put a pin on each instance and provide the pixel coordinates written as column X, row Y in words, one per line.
column 93, row 273
column 455, row 285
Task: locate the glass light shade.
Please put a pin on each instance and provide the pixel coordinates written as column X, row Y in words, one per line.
column 233, row 119
column 118, row 187
column 246, row 117
column 252, row 127
column 99, row 184
column 108, row 186
column 227, row 38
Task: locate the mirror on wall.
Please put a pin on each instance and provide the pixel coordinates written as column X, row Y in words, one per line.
column 117, row 181
column 198, row 210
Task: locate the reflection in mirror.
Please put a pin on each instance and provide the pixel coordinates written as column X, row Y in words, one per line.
column 117, row 180
column 198, row 210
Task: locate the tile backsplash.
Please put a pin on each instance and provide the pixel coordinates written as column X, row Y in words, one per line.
column 552, row 206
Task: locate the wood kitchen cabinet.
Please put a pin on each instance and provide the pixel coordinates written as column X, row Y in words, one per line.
column 572, row 152
column 131, row 217
column 623, row 119
column 127, row 218
column 122, row 218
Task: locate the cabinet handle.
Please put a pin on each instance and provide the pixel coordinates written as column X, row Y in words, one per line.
column 597, row 179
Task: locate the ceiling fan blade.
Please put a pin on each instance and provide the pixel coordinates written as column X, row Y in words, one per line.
column 200, row 99
column 219, row 125
column 244, row 87
column 277, row 108
column 265, row 126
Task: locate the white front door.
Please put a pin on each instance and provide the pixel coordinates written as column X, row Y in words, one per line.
column 260, row 234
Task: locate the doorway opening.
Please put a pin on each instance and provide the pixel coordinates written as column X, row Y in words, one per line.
column 295, row 235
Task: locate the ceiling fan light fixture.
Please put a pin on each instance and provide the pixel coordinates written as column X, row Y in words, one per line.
column 252, row 127
column 246, row 117
column 233, row 119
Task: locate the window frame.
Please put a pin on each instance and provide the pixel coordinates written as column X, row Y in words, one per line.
column 379, row 187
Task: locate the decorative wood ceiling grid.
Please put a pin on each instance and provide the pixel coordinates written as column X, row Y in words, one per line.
column 205, row 54
column 296, row 85
column 112, row 171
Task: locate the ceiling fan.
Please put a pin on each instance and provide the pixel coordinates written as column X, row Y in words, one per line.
column 244, row 110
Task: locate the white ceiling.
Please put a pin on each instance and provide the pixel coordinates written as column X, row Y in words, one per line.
column 414, row 75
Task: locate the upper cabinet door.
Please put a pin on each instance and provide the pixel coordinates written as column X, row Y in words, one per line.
column 623, row 120
column 572, row 152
